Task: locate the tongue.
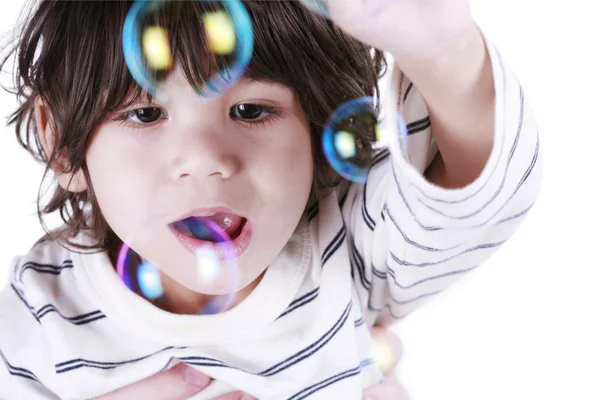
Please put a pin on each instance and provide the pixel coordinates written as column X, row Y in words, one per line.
column 229, row 223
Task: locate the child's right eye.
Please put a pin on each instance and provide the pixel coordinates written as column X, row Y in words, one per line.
column 141, row 117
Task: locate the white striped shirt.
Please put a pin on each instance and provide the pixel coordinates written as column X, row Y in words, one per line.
column 72, row 330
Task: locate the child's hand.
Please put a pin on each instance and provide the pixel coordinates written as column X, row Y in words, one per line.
column 390, row 388
column 418, row 29
column 178, row 383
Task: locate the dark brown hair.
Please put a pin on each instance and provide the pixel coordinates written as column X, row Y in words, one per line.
column 69, row 54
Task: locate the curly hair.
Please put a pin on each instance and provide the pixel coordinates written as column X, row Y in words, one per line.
column 69, row 56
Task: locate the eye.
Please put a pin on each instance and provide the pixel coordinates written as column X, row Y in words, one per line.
column 249, row 111
column 146, row 115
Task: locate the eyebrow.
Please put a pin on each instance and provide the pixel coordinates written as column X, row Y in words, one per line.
column 249, row 80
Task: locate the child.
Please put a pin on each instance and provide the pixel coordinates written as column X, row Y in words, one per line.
column 326, row 258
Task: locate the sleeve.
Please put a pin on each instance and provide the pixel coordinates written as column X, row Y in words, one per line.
column 19, row 380
column 18, row 383
column 410, row 239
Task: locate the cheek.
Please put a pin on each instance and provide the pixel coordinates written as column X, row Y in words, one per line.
column 118, row 186
column 287, row 170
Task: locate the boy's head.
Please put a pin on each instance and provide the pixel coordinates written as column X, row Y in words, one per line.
column 124, row 160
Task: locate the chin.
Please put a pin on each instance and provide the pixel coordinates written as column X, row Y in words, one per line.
column 233, row 279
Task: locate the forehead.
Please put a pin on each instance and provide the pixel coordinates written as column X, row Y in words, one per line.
column 176, row 83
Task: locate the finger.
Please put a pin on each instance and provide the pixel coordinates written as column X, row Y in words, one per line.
column 177, row 383
column 386, row 391
column 236, row 396
column 387, row 348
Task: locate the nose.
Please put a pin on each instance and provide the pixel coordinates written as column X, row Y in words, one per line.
column 201, row 148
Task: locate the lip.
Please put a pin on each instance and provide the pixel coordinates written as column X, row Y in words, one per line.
column 204, row 212
column 225, row 250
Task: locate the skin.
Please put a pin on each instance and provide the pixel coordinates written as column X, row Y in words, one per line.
column 450, row 67
column 202, row 154
column 440, row 49
column 142, row 163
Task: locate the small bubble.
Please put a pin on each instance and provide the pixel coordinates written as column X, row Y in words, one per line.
column 383, row 355
column 353, row 136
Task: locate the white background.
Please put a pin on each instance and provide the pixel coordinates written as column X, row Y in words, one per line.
column 525, row 325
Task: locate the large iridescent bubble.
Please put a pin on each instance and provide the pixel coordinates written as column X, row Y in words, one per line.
column 318, row 6
column 218, row 36
column 197, row 250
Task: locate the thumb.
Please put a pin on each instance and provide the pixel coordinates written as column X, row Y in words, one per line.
column 387, row 390
column 177, row 383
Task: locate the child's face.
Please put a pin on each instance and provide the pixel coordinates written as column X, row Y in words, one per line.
column 201, row 154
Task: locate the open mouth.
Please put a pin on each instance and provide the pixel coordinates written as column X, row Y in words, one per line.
column 217, row 228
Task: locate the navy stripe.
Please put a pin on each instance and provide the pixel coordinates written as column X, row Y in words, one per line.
column 344, row 197
column 418, row 126
column 77, row 363
column 285, row 364
column 334, row 245
column 360, row 267
column 44, row 268
column 22, row 298
column 403, row 302
column 18, row 371
column 211, row 362
column 411, row 242
column 377, row 273
column 410, row 86
column 365, row 213
column 359, row 322
column 310, row 350
column 329, row 381
column 401, row 193
column 206, row 362
column 302, row 301
column 379, row 157
column 367, row 217
column 457, row 272
column 499, row 189
column 309, row 294
column 531, row 165
column 521, row 182
column 166, row 365
column 525, row 211
column 428, row 264
column 77, row 320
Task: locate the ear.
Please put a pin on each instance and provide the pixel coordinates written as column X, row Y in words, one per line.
column 70, row 181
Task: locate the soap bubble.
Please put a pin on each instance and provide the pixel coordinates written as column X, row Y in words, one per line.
column 216, row 35
column 196, row 252
column 354, row 134
column 318, row 6
column 383, row 354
